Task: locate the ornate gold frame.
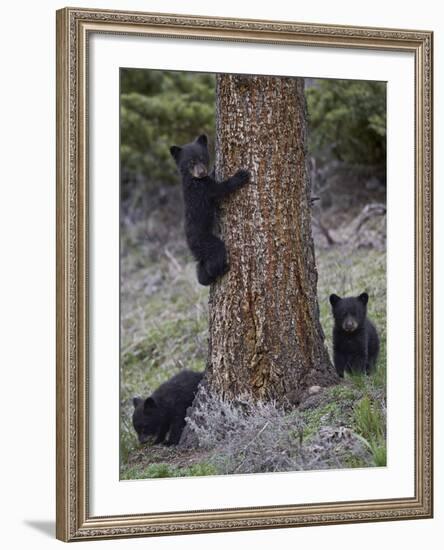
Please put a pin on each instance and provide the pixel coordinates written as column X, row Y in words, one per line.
column 73, row 519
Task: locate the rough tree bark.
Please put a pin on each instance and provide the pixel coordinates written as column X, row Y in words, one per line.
column 265, row 338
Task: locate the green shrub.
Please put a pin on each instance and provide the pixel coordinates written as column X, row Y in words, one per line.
column 348, row 118
column 369, row 423
column 159, row 109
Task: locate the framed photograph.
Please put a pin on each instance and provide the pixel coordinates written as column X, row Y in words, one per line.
column 244, row 274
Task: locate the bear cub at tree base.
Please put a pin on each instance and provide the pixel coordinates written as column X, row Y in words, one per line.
column 165, row 410
column 201, row 195
column 355, row 340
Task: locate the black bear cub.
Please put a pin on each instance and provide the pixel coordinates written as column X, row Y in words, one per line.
column 165, row 410
column 355, row 340
column 201, row 195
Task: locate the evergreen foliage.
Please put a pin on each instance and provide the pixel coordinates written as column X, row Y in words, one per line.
column 348, row 120
column 158, row 109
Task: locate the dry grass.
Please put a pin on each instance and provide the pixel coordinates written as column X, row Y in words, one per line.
column 164, row 329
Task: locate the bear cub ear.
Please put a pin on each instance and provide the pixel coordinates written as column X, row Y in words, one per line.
column 202, row 140
column 175, row 151
column 137, row 401
column 334, row 299
column 364, row 298
column 149, row 404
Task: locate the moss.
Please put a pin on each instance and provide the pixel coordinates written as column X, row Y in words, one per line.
column 335, row 408
column 326, row 415
column 356, row 462
column 342, row 393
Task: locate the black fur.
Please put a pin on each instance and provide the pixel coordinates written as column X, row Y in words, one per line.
column 165, row 410
column 355, row 340
column 201, row 195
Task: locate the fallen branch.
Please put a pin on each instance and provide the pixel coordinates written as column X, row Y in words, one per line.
column 324, row 231
column 354, row 227
column 369, row 211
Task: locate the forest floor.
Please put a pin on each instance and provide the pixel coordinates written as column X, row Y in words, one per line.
column 164, row 329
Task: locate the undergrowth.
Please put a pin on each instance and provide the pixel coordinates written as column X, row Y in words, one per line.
column 164, row 329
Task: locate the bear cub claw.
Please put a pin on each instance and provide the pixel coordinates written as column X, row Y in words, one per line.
column 242, row 176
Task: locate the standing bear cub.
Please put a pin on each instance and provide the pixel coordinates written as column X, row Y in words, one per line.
column 201, row 195
column 165, row 410
column 355, row 340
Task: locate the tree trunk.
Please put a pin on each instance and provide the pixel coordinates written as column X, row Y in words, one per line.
column 265, row 338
